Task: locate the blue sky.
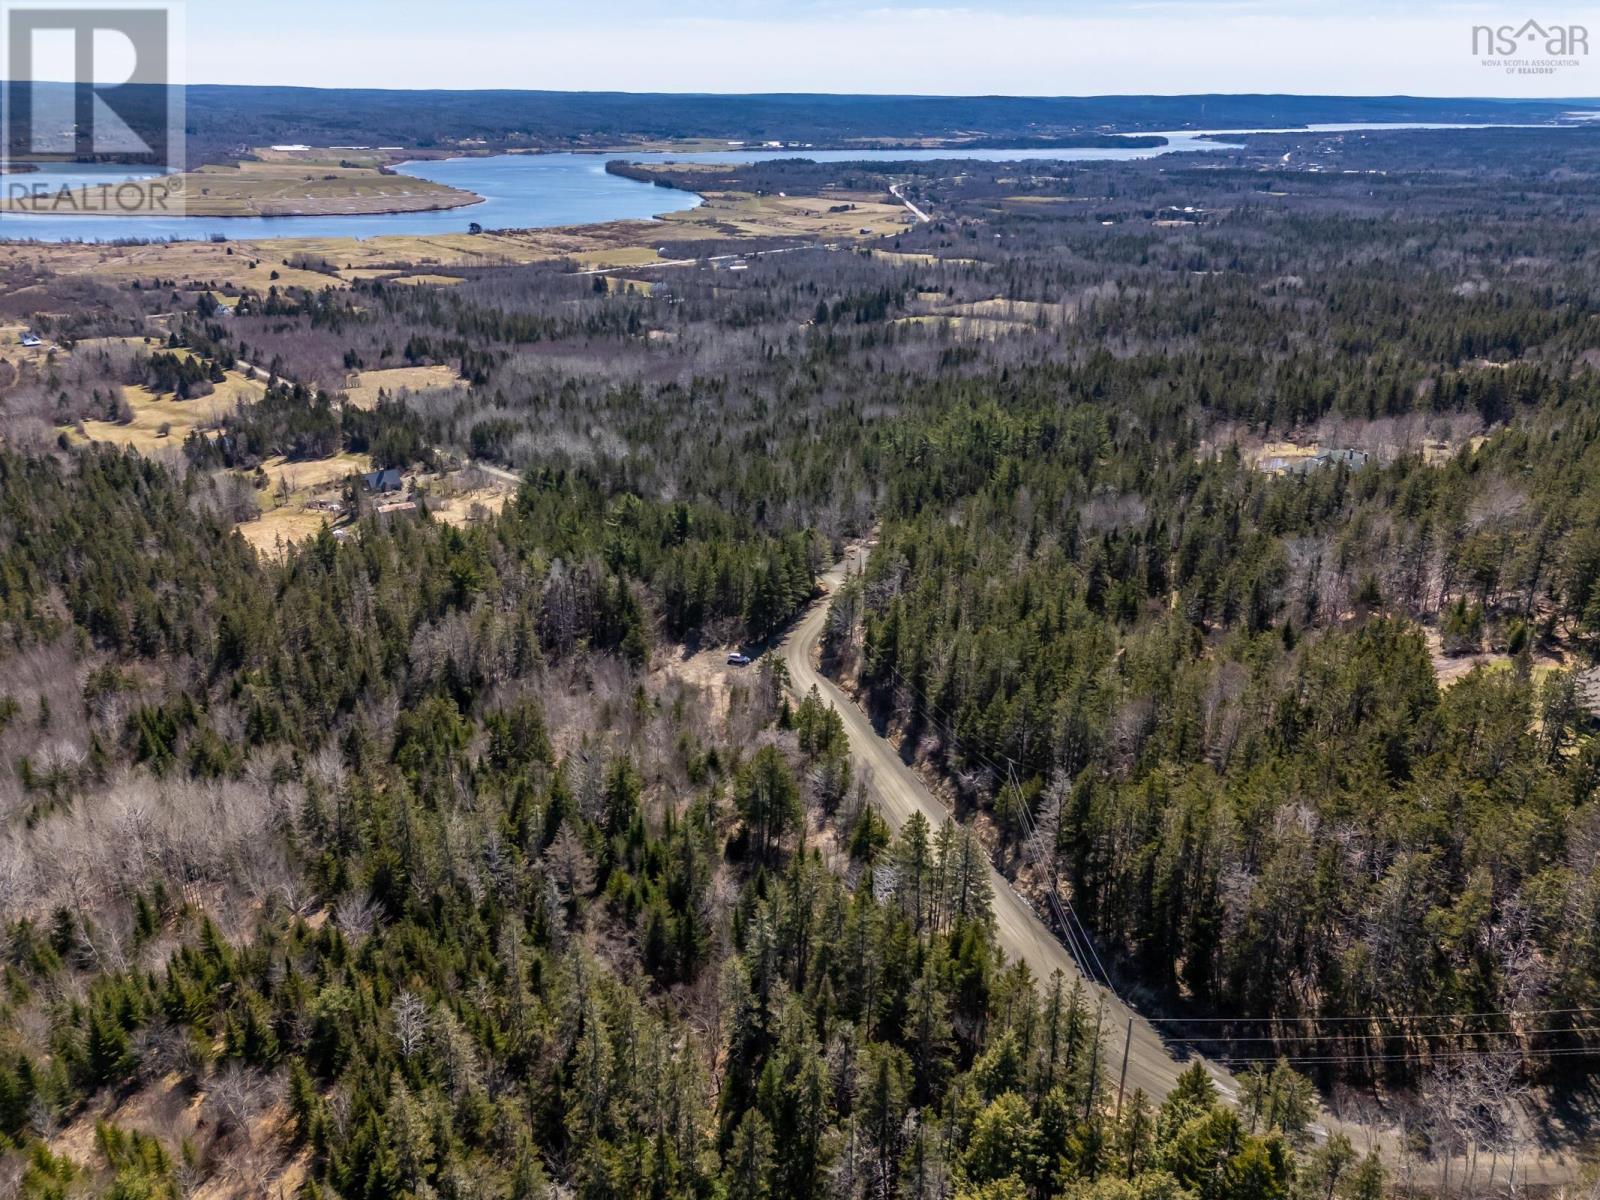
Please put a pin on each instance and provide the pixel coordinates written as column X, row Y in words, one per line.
column 1027, row 47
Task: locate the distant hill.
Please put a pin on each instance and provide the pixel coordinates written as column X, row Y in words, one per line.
column 223, row 118
column 422, row 117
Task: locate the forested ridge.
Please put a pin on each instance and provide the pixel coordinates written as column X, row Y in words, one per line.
column 1251, row 555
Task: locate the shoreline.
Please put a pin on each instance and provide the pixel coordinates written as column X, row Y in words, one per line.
column 468, row 200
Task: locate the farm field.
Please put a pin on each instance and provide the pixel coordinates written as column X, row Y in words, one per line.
column 746, row 215
column 363, row 389
column 280, row 189
column 162, row 422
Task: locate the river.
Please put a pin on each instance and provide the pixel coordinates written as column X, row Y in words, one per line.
column 541, row 191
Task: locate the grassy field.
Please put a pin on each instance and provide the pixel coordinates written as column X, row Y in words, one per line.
column 277, row 189
column 233, row 264
column 457, row 499
column 306, row 477
column 274, row 532
column 1020, row 311
column 986, row 319
column 362, row 390
column 291, row 486
column 419, row 280
column 980, row 328
column 625, row 256
column 461, row 508
column 163, row 422
column 12, row 349
column 260, row 264
column 741, row 214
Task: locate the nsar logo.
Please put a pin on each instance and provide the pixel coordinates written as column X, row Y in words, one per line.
column 1531, row 48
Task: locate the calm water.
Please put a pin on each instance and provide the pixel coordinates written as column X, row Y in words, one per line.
column 538, row 191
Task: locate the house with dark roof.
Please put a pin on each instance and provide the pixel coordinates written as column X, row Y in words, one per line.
column 389, row 480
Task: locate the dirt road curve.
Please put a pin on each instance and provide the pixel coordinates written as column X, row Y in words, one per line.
column 899, row 793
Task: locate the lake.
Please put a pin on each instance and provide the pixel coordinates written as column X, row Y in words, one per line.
column 540, row 191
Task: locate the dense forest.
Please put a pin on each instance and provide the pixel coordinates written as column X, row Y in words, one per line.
column 1234, row 535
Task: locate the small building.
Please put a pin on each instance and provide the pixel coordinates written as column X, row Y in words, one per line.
column 1304, row 463
column 31, row 338
column 1354, row 459
column 389, row 480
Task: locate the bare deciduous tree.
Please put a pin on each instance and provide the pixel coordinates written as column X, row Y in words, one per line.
column 355, row 915
column 411, row 1023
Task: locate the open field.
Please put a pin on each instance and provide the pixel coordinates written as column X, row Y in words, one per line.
column 289, row 515
column 216, row 265
column 363, row 388
column 276, row 189
column 260, row 264
column 272, row 532
column 310, row 475
column 159, row 422
column 981, row 328
column 743, row 215
column 162, row 422
column 617, row 285
column 1023, row 311
column 621, row 256
column 464, row 507
column 418, row 280
column 12, row 349
column 398, row 275
column 909, row 259
column 331, row 156
column 291, row 487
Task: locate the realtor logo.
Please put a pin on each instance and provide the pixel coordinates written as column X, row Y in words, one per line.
column 91, row 97
column 1530, row 47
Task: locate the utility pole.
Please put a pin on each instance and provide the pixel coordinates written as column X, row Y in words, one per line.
column 1122, row 1083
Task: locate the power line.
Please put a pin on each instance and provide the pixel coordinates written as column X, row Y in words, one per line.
column 1376, row 1017
column 1034, row 841
column 1080, row 945
column 1432, row 1057
column 942, row 720
column 1451, row 1033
